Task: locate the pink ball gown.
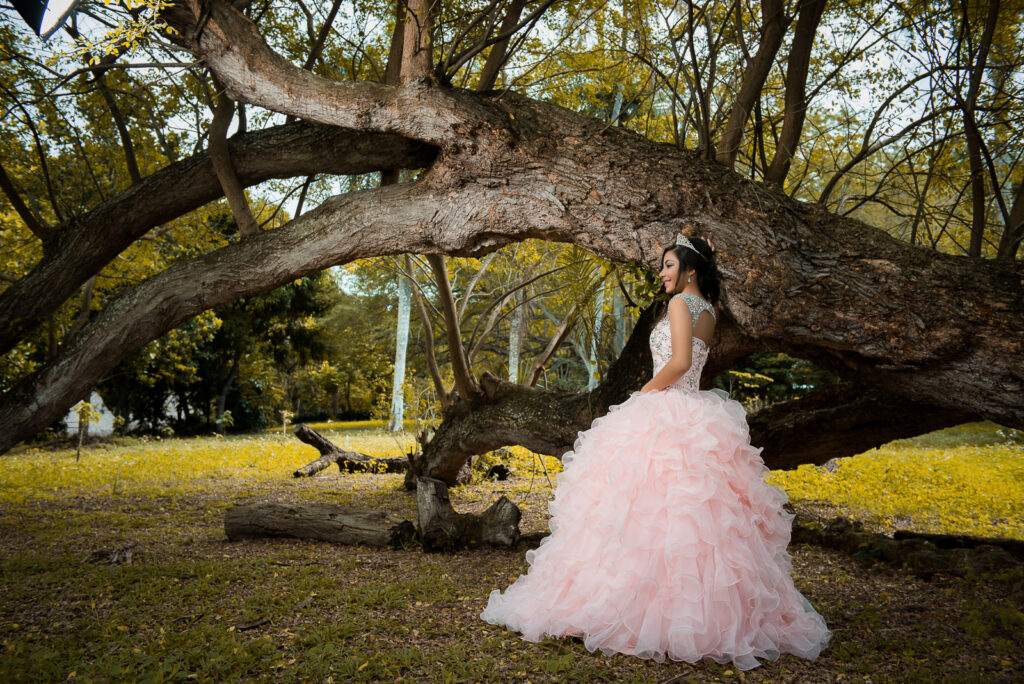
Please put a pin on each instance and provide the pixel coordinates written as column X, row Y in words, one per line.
column 665, row 538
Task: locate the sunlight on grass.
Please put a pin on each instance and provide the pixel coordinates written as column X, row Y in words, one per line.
column 966, row 480
column 157, row 466
column 192, row 605
column 956, row 481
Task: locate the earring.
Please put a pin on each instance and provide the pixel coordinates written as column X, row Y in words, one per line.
column 688, row 279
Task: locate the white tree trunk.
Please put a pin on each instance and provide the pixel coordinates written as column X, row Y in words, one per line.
column 592, row 369
column 515, row 336
column 395, row 423
column 622, row 325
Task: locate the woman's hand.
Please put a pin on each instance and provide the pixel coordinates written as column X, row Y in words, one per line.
column 649, row 387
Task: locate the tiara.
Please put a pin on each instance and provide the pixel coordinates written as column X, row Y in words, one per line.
column 685, row 242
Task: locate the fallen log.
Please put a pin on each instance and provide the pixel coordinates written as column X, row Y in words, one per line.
column 327, row 522
column 441, row 527
column 348, row 461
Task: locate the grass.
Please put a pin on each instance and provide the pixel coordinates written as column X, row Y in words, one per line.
column 194, row 607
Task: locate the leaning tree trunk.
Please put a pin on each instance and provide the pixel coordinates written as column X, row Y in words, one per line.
column 930, row 328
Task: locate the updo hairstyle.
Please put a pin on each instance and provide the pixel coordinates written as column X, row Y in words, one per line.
column 703, row 263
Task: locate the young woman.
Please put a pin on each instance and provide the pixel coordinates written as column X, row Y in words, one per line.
column 666, row 541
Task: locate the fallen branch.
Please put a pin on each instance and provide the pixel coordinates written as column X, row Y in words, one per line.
column 348, row 461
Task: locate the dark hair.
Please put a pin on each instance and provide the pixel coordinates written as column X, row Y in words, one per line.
column 703, row 262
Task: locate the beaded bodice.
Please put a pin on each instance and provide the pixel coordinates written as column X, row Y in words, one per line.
column 661, row 345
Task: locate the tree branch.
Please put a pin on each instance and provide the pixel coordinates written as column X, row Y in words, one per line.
column 773, row 29
column 321, row 38
column 556, row 341
column 428, row 337
column 464, row 384
column 122, row 127
column 252, row 72
column 846, row 419
column 43, row 232
column 797, row 279
column 795, row 108
column 1013, row 233
column 220, row 157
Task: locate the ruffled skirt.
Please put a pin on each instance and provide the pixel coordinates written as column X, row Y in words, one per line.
column 666, row 541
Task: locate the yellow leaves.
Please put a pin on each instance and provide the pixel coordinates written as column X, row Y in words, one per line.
column 128, row 34
column 976, row 490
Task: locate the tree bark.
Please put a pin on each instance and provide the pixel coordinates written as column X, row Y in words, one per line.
column 417, row 39
column 841, row 420
column 442, row 529
column 327, row 522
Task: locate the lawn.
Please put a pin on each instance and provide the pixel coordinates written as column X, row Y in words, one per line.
column 193, row 606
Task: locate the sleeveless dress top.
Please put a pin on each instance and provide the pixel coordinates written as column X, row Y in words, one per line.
column 666, row 541
column 661, row 345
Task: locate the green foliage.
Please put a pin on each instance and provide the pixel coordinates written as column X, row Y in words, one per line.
column 767, row 377
column 236, row 360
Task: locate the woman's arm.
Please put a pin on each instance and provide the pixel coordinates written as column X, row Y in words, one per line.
column 681, row 326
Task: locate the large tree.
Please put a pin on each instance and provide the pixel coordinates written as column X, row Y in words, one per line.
column 937, row 334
